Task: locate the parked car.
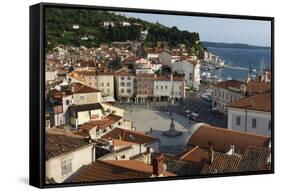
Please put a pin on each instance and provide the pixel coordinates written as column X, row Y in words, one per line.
column 194, row 116
column 187, row 113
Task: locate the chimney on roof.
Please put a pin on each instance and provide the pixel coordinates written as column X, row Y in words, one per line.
column 211, row 154
column 157, row 164
column 148, row 151
column 94, row 153
column 232, row 150
column 252, row 103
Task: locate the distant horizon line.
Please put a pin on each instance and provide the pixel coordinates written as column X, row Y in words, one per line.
column 241, row 43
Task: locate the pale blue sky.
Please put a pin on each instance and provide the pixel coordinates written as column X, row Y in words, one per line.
column 251, row 32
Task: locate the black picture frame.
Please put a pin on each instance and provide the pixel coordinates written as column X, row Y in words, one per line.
column 37, row 92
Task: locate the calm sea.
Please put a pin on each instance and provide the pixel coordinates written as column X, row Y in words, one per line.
column 240, row 60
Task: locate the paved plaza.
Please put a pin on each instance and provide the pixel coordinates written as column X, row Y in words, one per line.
column 155, row 118
column 154, row 122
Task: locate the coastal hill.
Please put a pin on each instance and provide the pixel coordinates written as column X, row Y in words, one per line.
column 76, row 27
column 232, row 45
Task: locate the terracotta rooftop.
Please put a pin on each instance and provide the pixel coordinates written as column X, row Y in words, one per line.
column 100, row 124
column 222, row 139
column 78, row 88
column 145, row 75
column 105, row 73
column 135, row 165
column 118, row 143
column 254, row 159
column 229, row 84
column 162, row 78
column 177, row 78
column 196, row 154
column 57, row 144
column 168, row 78
column 54, row 93
column 181, row 167
column 130, row 136
column 85, row 72
column 116, row 170
column 253, row 87
column 222, row 163
column 85, row 107
column 87, row 63
column 124, row 74
column 259, row 102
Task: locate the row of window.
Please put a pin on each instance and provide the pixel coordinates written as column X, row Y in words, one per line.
column 166, row 87
column 253, row 123
column 91, row 78
column 123, row 78
column 128, row 91
column 102, row 84
column 107, row 84
column 161, row 87
column 103, row 91
column 123, row 84
column 145, row 92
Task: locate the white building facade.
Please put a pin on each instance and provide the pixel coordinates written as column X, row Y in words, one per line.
column 191, row 71
column 125, row 86
column 224, row 93
column 251, row 114
column 249, row 121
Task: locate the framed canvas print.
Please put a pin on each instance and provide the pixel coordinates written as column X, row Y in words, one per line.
column 121, row 95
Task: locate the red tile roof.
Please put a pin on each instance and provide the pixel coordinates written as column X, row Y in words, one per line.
column 124, row 74
column 259, row 102
column 145, row 75
column 116, row 170
column 222, row 163
column 162, row 78
column 54, row 93
column 85, row 72
column 222, row 139
column 130, row 136
column 229, row 84
column 135, row 165
column 100, row 124
column 118, row 142
column 254, row 159
column 57, row 144
column 196, row 154
column 78, row 88
column 253, row 87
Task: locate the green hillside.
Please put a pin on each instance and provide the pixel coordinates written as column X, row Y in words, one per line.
column 59, row 30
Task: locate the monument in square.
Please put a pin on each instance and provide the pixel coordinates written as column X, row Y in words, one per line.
column 172, row 132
